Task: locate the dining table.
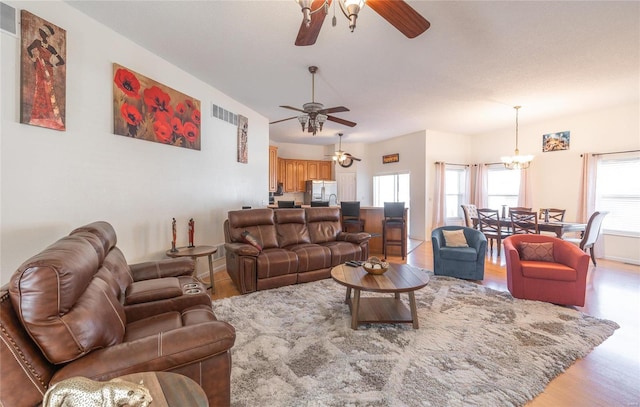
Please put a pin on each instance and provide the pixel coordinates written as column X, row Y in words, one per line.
column 559, row 228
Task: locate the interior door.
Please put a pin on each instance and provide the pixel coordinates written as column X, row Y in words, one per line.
column 346, row 186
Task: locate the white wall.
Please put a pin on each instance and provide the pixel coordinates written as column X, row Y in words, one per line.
column 556, row 175
column 52, row 181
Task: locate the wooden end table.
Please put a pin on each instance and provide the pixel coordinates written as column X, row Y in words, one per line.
column 170, row 389
column 400, row 278
column 195, row 252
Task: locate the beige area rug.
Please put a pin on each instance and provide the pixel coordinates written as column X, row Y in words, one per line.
column 475, row 347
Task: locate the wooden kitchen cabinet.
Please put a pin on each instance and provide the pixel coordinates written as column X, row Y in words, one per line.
column 293, row 173
column 273, row 168
column 325, row 170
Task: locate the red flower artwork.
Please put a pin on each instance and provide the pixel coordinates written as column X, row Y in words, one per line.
column 146, row 111
column 131, row 114
column 190, row 132
column 128, row 83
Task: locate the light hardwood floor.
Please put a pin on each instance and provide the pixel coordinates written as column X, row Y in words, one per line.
column 609, row 375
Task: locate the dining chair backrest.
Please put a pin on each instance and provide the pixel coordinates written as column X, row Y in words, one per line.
column 470, row 211
column 518, row 208
column 350, row 209
column 489, row 221
column 394, row 210
column 286, row 204
column 592, row 230
column 523, row 222
column 555, row 215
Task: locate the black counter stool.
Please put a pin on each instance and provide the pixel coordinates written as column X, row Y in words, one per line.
column 394, row 219
column 351, row 221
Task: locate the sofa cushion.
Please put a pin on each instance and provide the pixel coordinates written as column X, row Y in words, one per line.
column 323, row 224
column 259, row 222
column 291, row 227
column 342, row 252
column 459, row 253
column 67, row 311
column 455, row 238
column 311, row 256
column 276, row 262
column 548, row 271
column 536, row 251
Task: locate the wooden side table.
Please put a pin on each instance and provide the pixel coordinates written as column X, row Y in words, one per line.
column 195, row 252
column 170, row 389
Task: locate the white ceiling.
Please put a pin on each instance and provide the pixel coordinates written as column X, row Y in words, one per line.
column 463, row 75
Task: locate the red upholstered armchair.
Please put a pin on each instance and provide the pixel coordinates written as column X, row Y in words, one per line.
column 545, row 268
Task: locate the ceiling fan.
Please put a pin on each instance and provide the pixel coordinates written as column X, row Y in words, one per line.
column 314, row 114
column 397, row 12
column 343, row 158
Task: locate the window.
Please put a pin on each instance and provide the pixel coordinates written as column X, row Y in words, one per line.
column 503, row 187
column 391, row 188
column 455, row 191
column 618, row 191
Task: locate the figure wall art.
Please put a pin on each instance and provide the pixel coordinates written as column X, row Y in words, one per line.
column 147, row 110
column 243, row 146
column 43, row 73
column 555, row 141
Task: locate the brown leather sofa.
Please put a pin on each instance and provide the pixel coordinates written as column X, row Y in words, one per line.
column 78, row 309
column 297, row 246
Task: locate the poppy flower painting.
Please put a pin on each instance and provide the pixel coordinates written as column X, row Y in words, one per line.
column 147, row 110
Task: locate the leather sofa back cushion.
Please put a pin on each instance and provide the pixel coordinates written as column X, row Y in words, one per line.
column 291, row 227
column 258, row 222
column 323, row 224
column 103, row 231
column 66, row 310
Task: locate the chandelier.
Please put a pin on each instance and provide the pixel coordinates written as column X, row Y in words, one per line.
column 340, row 156
column 517, row 161
column 350, row 8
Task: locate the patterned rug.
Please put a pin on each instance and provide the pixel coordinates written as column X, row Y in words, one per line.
column 475, row 347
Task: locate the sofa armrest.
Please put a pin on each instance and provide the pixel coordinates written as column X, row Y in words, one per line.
column 242, row 249
column 160, row 352
column 180, row 266
column 135, row 312
column 571, row 256
column 356, row 238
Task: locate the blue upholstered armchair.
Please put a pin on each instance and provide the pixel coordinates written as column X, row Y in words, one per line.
column 459, row 262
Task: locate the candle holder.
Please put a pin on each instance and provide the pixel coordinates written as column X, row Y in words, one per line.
column 191, row 230
column 173, row 233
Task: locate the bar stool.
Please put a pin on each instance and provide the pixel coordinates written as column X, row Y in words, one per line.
column 394, row 219
column 351, row 220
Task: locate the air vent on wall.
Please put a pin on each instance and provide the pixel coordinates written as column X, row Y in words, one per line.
column 8, row 19
column 223, row 114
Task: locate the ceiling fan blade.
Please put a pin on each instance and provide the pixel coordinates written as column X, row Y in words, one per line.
column 308, row 35
column 336, row 109
column 352, row 157
column 400, row 15
column 294, row 108
column 283, row 120
column 341, row 121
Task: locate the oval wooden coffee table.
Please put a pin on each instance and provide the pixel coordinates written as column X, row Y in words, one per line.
column 400, row 278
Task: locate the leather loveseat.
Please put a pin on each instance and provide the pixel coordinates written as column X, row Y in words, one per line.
column 78, row 309
column 291, row 246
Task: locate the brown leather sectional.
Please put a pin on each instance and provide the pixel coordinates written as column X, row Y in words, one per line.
column 298, row 245
column 78, row 309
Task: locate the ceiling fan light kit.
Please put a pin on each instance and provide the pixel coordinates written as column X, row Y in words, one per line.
column 517, row 161
column 397, row 13
column 343, row 158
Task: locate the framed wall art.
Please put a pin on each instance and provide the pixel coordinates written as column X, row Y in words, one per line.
column 555, row 141
column 243, row 127
column 391, row 158
column 148, row 110
column 43, row 73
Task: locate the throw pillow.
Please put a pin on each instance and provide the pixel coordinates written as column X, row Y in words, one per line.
column 249, row 238
column 455, row 238
column 536, row 251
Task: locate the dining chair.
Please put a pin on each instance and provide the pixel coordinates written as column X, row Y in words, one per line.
column 555, row 215
column 524, row 222
column 286, row 204
column 394, row 220
column 470, row 211
column 489, row 222
column 350, row 213
column 518, row 208
column 590, row 235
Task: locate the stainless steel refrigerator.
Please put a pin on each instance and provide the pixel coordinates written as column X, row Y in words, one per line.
column 321, row 191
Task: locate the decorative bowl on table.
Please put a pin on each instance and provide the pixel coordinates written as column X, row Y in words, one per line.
column 374, row 265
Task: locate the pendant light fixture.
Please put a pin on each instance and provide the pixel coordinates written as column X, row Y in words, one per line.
column 517, row 161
